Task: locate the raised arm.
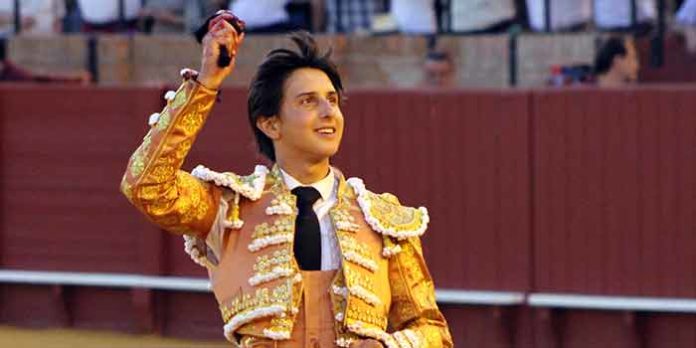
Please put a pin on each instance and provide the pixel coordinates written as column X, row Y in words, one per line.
column 153, row 182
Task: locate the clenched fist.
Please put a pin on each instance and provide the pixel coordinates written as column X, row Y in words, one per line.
column 221, row 36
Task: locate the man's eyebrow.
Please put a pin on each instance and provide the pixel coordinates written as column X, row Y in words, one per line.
column 302, row 94
column 312, row 93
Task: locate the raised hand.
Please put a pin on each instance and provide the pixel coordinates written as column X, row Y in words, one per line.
column 221, row 37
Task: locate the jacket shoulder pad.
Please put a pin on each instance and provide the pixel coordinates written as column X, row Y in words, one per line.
column 387, row 216
column 250, row 186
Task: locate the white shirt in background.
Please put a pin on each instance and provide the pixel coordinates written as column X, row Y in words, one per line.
column 564, row 13
column 106, row 11
column 471, row 15
column 44, row 12
column 617, row 13
column 260, row 13
column 687, row 13
column 414, row 16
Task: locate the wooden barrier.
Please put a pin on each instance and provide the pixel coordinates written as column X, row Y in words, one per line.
column 537, row 193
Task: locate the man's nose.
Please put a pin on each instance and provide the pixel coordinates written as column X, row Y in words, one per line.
column 326, row 109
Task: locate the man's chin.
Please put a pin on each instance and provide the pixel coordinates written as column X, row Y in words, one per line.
column 324, row 154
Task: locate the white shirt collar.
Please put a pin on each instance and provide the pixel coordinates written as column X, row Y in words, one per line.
column 325, row 186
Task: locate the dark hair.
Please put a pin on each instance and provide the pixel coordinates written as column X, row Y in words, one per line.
column 439, row 56
column 612, row 47
column 266, row 89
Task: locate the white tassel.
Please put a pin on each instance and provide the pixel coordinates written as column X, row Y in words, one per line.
column 169, row 96
column 153, row 119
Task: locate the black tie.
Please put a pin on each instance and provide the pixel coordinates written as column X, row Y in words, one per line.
column 307, row 245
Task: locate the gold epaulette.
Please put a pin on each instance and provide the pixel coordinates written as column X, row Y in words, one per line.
column 387, row 216
column 250, row 186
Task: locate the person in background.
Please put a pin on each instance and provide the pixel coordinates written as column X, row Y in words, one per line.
column 615, row 15
column 616, row 63
column 438, row 69
column 38, row 17
column 349, row 16
column 482, row 16
column 263, row 16
column 72, row 21
column 11, row 72
column 414, row 16
column 177, row 16
column 164, row 16
column 686, row 19
column 566, row 15
column 106, row 16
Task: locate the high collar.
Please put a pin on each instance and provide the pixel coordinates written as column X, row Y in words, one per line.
column 325, row 186
column 343, row 189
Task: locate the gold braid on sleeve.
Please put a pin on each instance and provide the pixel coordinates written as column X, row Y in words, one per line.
column 414, row 318
column 153, row 181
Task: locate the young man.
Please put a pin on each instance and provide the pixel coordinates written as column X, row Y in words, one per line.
column 297, row 255
column 616, row 63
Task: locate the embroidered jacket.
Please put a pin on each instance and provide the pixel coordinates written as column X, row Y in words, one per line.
column 383, row 289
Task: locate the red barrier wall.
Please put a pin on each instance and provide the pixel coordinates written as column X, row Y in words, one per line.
column 63, row 151
column 581, row 191
column 615, row 192
column 615, row 208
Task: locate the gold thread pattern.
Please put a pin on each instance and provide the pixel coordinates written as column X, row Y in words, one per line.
column 413, row 298
column 154, row 184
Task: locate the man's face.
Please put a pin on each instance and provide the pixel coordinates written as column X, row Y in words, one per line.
column 629, row 64
column 310, row 123
column 438, row 72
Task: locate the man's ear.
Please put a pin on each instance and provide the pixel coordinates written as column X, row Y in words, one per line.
column 269, row 125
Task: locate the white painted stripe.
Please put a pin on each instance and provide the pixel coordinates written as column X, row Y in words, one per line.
column 646, row 304
column 444, row 296
column 120, row 280
column 495, row 298
column 115, row 280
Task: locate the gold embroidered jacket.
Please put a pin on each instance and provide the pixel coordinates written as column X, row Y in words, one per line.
column 383, row 289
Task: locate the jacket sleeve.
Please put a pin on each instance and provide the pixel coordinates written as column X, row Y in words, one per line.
column 153, row 181
column 414, row 318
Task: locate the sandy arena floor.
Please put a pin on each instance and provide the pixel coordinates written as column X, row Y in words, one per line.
column 25, row 338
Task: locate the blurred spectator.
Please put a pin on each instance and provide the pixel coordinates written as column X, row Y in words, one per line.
column 438, row 69
column 616, row 63
column 263, row 16
column 164, row 16
column 686, row 14
column 565, row 14
column 349, row 16
column 574, row 14
column 197, row 11
column 568, row 75
column 105, row 15
column 482, row 15
column 72, row 21
column 686, row 17
column 414, row 16
column 177, row 16
column 39, row 17
column 10, row 72
column 616, row 15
